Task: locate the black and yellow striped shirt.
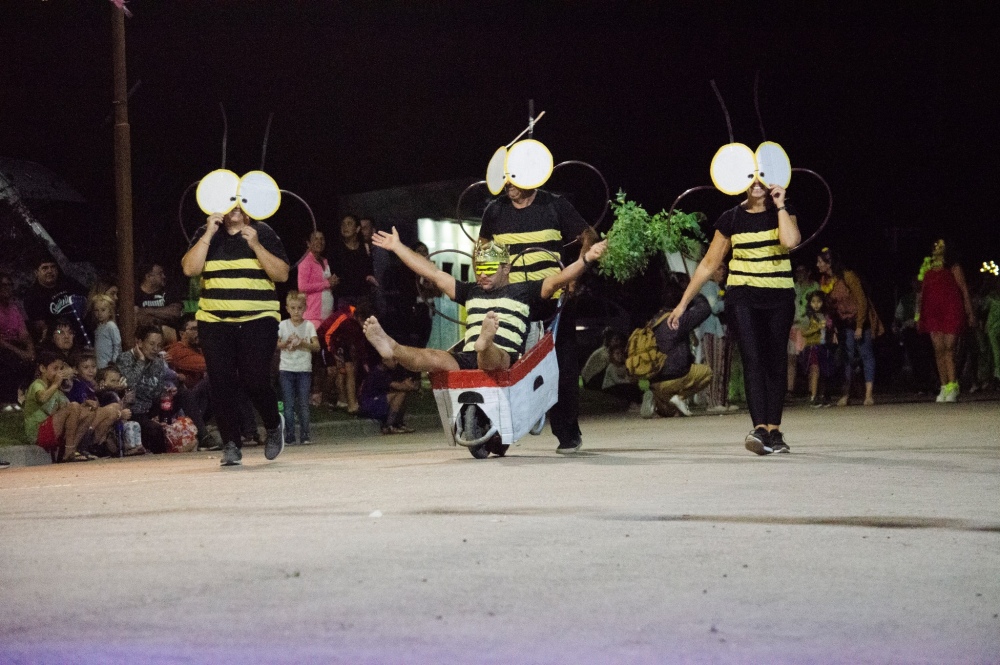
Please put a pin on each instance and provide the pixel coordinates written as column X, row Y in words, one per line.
column 548, row 223
column 235, row 287
column 512, row 303
column 760, row 269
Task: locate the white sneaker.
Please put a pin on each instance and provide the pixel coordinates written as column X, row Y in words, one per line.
column 951, row 395
column 681, row 405
column 940, row 397
column 647, row 410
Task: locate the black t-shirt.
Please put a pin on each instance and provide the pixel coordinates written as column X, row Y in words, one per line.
column 65, row 299
column 548, row 223
column 760, row 271
column 143, row 299
column 352, row 266
column 236, row 287
column 513, row 305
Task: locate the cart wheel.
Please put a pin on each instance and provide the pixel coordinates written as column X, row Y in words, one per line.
column 496, row 446
column 470, row 424
column 480, row 451
column 539, row 426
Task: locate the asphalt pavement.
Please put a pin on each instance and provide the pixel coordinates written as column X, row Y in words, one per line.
column 877, row 540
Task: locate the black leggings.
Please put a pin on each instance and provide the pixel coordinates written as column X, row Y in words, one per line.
column 238, row 361
column 763, row 338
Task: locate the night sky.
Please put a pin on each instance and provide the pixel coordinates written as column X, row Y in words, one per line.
column 892, row 105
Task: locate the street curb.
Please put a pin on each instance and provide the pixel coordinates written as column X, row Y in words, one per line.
column 26, row 455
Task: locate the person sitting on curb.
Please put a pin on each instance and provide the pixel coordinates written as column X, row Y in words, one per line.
column 51, row 421
column 680, row 377
column 498, row 311
column 383, row 396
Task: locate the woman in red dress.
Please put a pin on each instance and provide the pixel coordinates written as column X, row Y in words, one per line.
column 945, row 308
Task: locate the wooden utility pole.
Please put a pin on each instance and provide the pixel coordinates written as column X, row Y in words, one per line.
column 123, row 183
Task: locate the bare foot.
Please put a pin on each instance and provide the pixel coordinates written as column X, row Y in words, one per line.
column 378, row 338
column 491, row 323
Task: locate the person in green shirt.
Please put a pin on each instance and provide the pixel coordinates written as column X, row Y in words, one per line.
column 50, row 419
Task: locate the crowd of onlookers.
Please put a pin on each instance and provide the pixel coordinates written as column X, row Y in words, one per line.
column 87, row 392
column 944, row 339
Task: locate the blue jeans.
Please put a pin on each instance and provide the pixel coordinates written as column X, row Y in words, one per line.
column 854, row 348
column 295, row 389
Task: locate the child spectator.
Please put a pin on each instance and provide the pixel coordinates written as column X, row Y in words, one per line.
column 816, row 357
column 617, row 380
column 107, row 337
column 344, row 351
column 593, row 370
column 296, row 341
column 111, row 389
column 50, row 420
column 383, row 396
column 84, row 391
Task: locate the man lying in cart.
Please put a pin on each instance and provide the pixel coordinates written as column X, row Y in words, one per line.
column 498, row 311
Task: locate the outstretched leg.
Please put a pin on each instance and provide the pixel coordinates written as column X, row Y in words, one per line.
column 489, row 355
column 413, row 359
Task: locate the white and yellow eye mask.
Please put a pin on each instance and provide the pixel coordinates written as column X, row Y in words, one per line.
column 222, row 190
column 735, row 167
column 526, row 164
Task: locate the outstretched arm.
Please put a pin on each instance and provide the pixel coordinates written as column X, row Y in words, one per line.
column 415, row 262
column 555, row 282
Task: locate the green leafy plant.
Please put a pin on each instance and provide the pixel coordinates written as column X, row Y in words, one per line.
column 635, row 236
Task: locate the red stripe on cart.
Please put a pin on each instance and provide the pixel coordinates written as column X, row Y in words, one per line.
column 474, row 378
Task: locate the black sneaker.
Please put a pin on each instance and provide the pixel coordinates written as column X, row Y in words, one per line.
column 759, row 442
column 231, row 455
column 777, row 440
column 570, row 446
column 275, row 441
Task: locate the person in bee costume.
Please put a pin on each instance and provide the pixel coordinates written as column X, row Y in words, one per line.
column 760, row 293
column 239, row 258
column 529, row 220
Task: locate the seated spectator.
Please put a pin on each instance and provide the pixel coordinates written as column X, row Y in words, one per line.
column 112, row 389
column 51, row 421
column 62, row 340
column 17, row 352
column 366, row 229
column 84, row 391
column 383, row 396
column 617, row 380
column 152, row 306
column 712, row 346
column 107, row 337
column 187, row 360
column 145, row 370
column 51, row 296
column 593, row 370
column 679, row 378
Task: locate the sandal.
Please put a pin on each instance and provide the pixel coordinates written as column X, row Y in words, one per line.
column 77, row 456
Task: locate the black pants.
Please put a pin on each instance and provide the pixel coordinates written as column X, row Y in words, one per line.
column 565, row 415
column 762, row 333
column 238, row 358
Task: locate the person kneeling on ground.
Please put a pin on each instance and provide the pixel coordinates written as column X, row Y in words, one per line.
column 498, row 311
column 383, row 396
column 679, row 378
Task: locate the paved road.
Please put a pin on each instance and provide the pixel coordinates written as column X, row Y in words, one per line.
column 876, row 540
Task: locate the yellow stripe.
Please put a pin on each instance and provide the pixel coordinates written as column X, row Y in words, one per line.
column 208, row 317
column 476, row 320
column 213, row 305
column 236, row 264
column 238, row 283
column 761, row 282
column 529, row 258
column 494, row 303
column 760, row 267
column 529, row 238
column 755, row 236
column 531, row 276
column 760, row 252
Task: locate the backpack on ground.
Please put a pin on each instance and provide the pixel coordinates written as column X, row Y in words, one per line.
column 642, row 359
